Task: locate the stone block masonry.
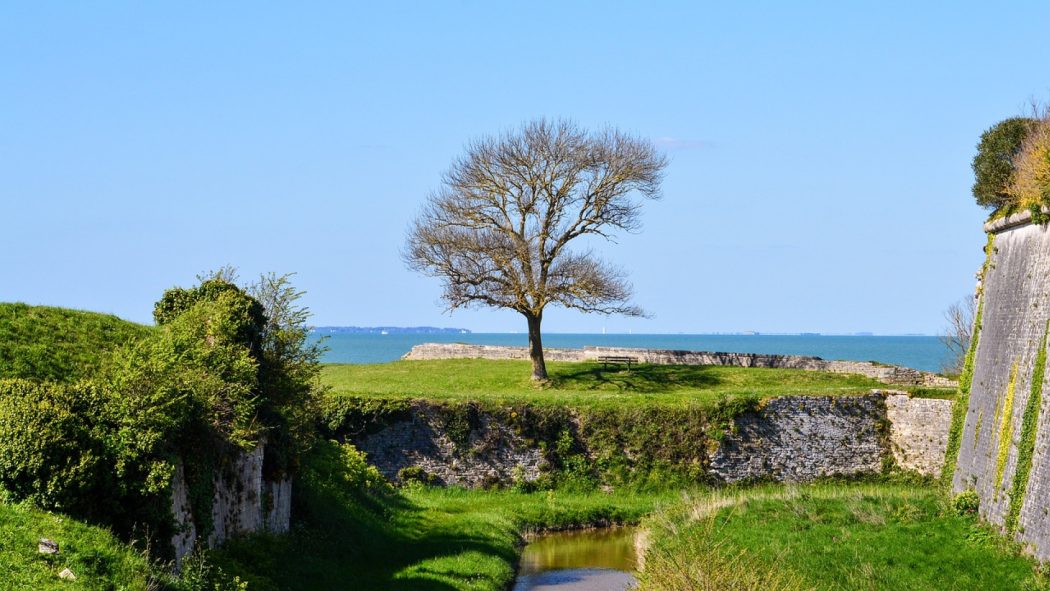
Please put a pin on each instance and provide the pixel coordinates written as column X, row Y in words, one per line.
column 1015, row 310
column 918, row 431
column 243, row 502
column 792, row 438
column 800, row 438
column 887, row 374
column 491, row 454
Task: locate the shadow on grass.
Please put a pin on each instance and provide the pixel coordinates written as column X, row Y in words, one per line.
column 351, row 538
column 642, row 378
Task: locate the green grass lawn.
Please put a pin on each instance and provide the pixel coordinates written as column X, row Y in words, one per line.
column 97, row 558
column 581, row 383
column 829, row 537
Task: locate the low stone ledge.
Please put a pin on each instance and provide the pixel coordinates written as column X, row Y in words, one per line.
column 1021, row 218
column 890, row 374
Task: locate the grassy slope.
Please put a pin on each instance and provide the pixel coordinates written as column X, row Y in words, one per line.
column 41, row 342
column 95, row 556
column 874, row 537
column 415, row 538
column 581, row 383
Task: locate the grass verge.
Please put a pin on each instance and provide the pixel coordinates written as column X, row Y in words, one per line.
column 97, row 558
column 869, row 537
column 582, row 384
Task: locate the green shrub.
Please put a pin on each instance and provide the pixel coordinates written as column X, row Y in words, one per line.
column 415, row 474
column 342, row 470
column 200, row 574
column 1029, row 186
column 966, row 503
column 52, row 448
column 993, row 165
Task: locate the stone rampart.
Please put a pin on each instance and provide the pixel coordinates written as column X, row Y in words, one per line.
column 888, row 374
column 492, row 453
column 1003, row 422
column 918, row 431
column 243, row 502
column 800, row 438
column 792, row 438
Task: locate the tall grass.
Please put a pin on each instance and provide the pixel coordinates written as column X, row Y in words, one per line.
column 869, row 537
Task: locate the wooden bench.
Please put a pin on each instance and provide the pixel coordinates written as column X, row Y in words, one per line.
column 605, row 360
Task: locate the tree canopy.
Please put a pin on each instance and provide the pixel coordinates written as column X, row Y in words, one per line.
column 501, row 230
column 993, row 165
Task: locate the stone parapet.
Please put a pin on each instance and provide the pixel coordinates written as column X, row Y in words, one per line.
column 791, row 438
column 888, row 374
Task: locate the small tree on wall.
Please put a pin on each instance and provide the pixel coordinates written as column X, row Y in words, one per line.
column 499, row 232
column 993, row 165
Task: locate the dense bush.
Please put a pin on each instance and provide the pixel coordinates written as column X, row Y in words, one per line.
column 289, row 371
column 966, row 502
column 221, row 372
column 52, row 449
column 993, row 166
column 1030, row 184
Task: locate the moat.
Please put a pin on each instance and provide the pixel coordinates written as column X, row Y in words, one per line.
column 588, row 560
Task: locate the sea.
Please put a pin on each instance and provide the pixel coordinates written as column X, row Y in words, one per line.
column 919, row 352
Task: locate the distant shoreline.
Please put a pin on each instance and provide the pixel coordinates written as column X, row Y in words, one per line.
column 926, row 353
column 388, row 330
column 453, row 330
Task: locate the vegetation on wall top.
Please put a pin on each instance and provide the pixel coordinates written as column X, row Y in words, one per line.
column 97, row 429
column 1012, row 166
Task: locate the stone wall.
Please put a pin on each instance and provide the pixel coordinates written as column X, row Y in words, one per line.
column 244, row 502
column 800, row 438
column 1015, row 309
column 888, row 374
column 492, row 454
column 793, row 438
column 918, row 431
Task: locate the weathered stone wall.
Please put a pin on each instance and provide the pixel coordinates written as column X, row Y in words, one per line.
column 244, row 502
column 492, row 454
column 792, row 438
column 1015, row 308
column 799, row 438
column 889, row 374
column 918, row 432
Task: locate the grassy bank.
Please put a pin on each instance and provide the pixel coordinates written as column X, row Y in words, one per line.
column 46, row 343
column 97, row 558
column 581, row 384
column 354, row 532
column 825, row 537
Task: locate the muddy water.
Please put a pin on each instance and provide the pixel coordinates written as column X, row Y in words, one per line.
column 588, row 560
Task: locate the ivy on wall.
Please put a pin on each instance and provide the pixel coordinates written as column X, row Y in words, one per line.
column 1006, row 429
column 962, row 401
column 1026, row 444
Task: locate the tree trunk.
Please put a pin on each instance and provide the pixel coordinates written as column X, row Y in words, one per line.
column 539, row 368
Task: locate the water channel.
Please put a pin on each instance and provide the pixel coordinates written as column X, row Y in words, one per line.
column 586, row 560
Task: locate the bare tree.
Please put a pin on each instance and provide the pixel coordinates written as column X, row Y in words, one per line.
column 960, row 318
column 498, row 232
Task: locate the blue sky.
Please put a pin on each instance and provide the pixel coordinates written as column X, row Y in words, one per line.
column 819, row 176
